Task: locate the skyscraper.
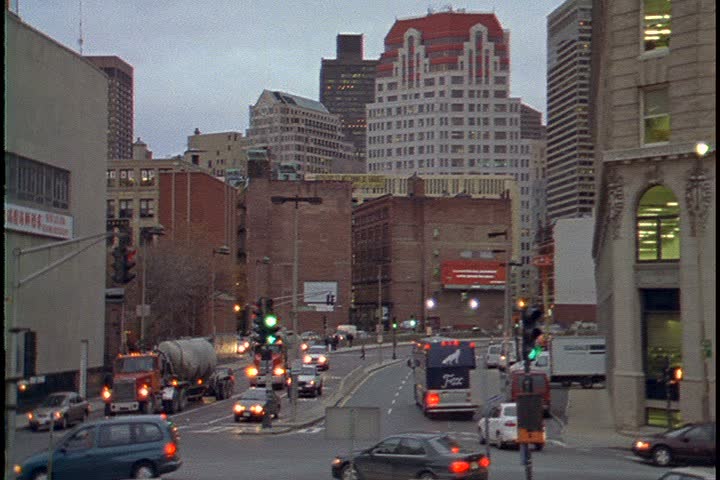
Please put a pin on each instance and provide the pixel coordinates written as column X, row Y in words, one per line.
column 120, row 104
column 442, row 106
column 347, row 84
column 571, row 179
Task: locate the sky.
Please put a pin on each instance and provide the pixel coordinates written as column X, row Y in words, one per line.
column 203, row 63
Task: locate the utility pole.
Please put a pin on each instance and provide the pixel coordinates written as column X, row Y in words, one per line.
column 278, row 200
column 379, row 313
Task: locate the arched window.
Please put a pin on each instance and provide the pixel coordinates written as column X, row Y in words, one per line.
column 658, row 226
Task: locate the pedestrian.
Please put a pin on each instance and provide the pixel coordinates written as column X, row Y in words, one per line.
column 362, row 351
column 350, row 338
column 335, row 342
column 327, row 342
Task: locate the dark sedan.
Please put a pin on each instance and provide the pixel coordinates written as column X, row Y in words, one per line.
column 413, row 455
column 691, row 442
column 254, row 402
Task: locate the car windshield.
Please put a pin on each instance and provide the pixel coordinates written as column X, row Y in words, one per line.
column 253, row 395
column 308, row 371
column 678, row 432
column 134, row 364
column 317, row 349
column 494, row 349
column 510, row 411
column 53, row 401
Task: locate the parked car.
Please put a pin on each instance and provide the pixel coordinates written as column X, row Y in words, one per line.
column 502, row 427
column 691, row 442
column 691, row 473
column 310, row 382
column 317, row 355
column 67, row 408
column 413, row 455
column 254, row 402
column 137, row 446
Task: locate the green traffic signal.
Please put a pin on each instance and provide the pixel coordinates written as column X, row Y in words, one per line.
column 271, row 339
column 534, row 352
column 412, row 322
column 270, row 320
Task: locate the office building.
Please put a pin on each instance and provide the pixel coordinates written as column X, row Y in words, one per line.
column 223, row 154
column 120, row 105
column 570, row 182
column 347, row 84
column 654, row 121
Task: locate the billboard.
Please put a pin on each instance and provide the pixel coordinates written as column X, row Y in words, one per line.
column 473, row 274
column 320, row 295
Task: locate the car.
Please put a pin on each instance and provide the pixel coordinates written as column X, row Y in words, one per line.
column 310, row 336
column 133, row 446
column 502, row 427
column 243, row 346
column 61, row 409
column 492, row 357
column 690, row 442
column 317, row 355
column 413, row 455
column 228, row 386
column 310, row 382
column 254, row 402
column 689, row 474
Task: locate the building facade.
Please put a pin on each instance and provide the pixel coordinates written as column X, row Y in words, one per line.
column 323, row 248
column 574, row 292
column 55, row 156
column 654, row 102
column 120, row 104
column 410, row 249
column 223, row 154
column 442, row 106
column 571, row 180
column 300, row 132
column 347, row 84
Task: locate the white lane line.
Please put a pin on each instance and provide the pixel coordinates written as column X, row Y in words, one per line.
column 389, row 411
column 556, row 442
column 219, row 419
column 397, row 393
column 393, row 402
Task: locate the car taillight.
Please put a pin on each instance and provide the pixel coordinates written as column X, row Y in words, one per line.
column 432, row 399
column 170, row 449
column 510, row 424
column 484, row 462
column 459, row 466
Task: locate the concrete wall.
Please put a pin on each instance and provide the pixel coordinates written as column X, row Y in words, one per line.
column 574, row 267
column 56, row 113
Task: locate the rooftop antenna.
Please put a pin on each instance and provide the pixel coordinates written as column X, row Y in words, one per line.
column 80, row 39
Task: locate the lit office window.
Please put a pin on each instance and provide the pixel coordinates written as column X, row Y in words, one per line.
column 658, row 226
column 656, row 23
column 656, row 116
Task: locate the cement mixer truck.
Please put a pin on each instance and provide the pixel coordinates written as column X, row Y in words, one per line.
column 165, row 379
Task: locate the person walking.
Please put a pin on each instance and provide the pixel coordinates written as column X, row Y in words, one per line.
column 350, row 338
column 362, row 351
column 327, row 342
column 335, row 342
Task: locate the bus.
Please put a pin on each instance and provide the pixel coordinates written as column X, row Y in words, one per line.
column 441, row 369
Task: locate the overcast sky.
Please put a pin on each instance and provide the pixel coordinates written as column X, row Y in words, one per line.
column 202, row 63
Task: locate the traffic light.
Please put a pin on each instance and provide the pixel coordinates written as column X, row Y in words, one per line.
column 128, row 264
column 531, row 332
column 117, row 265
column 258, row 330
column 270, row 323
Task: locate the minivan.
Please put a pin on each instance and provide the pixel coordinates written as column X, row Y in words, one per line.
column 137, row 446
column 540, row 384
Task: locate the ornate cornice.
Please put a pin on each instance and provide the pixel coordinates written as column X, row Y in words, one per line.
column 615, row 201
column 698, row 196
column 669, row 151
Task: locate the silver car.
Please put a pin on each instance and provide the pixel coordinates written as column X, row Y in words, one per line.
column 60, row 409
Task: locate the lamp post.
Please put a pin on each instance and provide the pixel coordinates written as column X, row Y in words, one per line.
column 223, row 250
column 145, row 235
column 277, row 200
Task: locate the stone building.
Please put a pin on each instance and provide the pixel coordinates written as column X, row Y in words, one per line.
column 654, row 243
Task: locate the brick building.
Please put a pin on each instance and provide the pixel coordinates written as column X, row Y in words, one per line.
column 197, row 208
column 323, row 248
column 430, row 247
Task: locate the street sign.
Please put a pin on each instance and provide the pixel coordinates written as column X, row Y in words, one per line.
column 352, row 423
column 140, row 308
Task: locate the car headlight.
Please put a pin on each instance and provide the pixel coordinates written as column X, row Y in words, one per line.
column 106, row 394
column 641, row 445
column 239, row 408
column 312, row 382
column 336, row 461
column 322, row 359
column 58, row 414
column 144, row 391
column 307, row 359
column 17, row 469
column 30, row 416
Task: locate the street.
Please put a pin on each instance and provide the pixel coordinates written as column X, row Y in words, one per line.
column 214, row 447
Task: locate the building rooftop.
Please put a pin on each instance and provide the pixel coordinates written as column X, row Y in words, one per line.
column 290, row 99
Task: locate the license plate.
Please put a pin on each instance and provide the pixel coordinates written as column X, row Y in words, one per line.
column 246, row 414
column 474, row 466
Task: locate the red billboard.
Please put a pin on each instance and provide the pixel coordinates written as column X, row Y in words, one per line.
column 466, row 274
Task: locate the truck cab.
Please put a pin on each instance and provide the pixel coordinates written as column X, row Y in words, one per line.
column 137, row 379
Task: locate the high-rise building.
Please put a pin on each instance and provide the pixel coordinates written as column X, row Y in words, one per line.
column 442, row 106
column 347, row 84
column 570, row 185
column 120, row 105
column 299, row 132
column 654, row 126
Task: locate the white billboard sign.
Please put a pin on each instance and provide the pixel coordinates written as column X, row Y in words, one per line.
column 320, row 293
column 38, row 222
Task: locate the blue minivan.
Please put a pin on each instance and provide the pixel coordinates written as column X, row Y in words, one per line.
column 137, row 446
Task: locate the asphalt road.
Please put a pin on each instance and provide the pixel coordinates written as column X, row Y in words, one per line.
column 214, row 447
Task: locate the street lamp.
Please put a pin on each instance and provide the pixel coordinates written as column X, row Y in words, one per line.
column 474, row 303
column 278, row 200
column 223, row 250
column 430, row 303
column 148, row 233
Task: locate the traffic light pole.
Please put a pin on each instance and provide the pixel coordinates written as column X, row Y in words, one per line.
column 527, row 388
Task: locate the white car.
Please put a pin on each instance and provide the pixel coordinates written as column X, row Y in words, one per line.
column 492, row 357
column 317, row 355
column 502, row 427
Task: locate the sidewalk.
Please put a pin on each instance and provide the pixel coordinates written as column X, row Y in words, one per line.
column 590, row 422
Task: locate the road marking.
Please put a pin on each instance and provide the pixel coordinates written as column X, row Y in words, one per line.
column 393, row 402
column 389, row 411
column 219, row 419
column 556, row 442
column 397, row 393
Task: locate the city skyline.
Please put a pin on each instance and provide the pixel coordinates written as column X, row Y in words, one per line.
column 161, row 43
